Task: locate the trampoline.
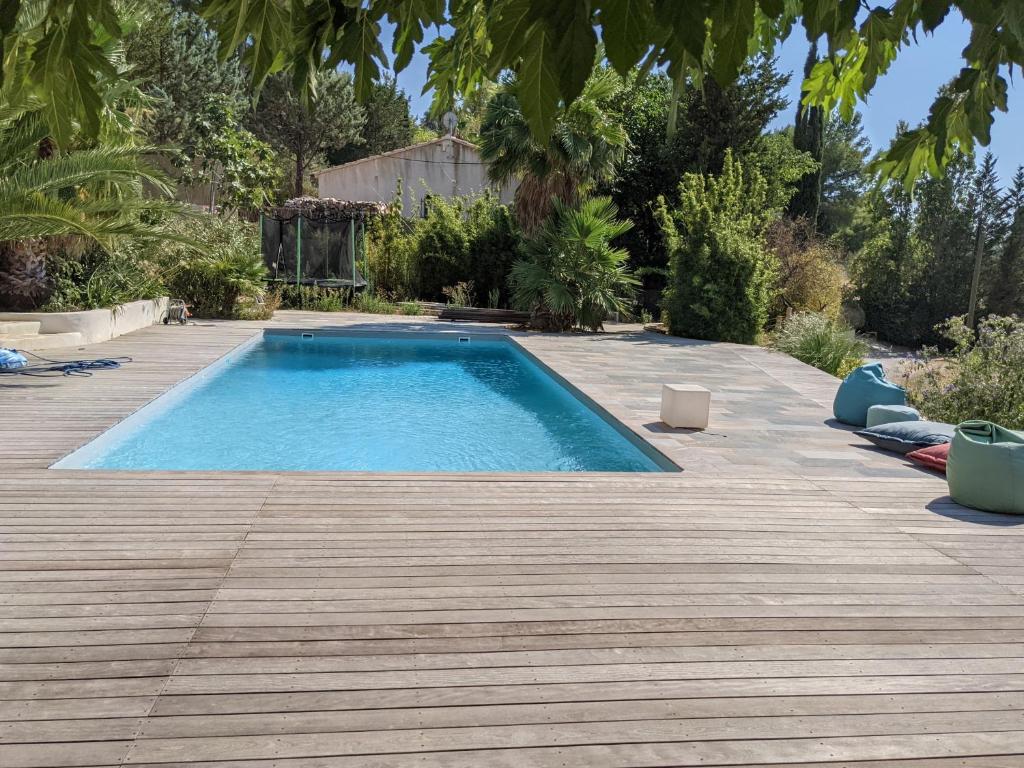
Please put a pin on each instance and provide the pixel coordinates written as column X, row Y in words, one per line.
column 313, row 241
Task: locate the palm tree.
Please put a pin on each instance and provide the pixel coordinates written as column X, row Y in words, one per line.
column 572, row 275
column 583, row 148
column 50, row 200
column 62, row 190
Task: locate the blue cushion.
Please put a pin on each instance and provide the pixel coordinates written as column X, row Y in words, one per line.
column 887, row 414
column 864, row 387
column 11, row 359
column 906, row 436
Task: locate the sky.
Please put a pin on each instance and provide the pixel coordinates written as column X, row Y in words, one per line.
column 907, row 90
column 904, row 93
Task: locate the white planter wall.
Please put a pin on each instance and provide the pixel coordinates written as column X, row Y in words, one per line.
column 95, row 325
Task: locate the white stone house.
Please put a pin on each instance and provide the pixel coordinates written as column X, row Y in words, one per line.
column 445, row 167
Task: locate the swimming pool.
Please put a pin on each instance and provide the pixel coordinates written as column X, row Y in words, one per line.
column 400, row 402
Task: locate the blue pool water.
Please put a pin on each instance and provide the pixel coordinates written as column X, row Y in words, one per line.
column 374, row 403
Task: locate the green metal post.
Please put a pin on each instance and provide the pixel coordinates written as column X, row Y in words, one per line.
column 352, row 253
column 366, row 256
column 298, row 262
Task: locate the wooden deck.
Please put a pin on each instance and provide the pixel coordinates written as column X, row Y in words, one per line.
column 791, row 599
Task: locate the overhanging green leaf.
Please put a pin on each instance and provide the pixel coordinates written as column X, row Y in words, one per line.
column 731, row 28
column 625, row 31
column 359, row 43
column 571, row 27
column 538, row 82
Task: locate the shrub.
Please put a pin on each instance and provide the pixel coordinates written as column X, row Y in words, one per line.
column 981, row 378
column 722, row 278
column 460, row 241
column 99, row 279
column 573, row 276
column 223, row 279
column 494, row 244
column 821, row 341
column 811, row 275
column 391, row 250
column 442, row 249
column 251, row 308
column 459, row 295
column 372, row 304
column 312, row 298
column 228, row 274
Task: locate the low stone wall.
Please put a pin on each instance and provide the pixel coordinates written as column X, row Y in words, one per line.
column 95, row 325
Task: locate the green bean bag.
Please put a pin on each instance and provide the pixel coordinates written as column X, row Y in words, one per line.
column 985, row 468
column 864, row 387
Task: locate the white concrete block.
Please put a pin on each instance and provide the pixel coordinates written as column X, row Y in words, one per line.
column 685, row 405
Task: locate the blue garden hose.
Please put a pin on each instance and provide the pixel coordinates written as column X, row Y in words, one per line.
column 13, row 362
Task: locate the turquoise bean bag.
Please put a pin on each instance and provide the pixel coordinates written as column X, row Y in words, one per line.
column 985, row 468
column 864, row 387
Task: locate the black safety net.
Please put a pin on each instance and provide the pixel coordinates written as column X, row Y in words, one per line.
column 304, row 251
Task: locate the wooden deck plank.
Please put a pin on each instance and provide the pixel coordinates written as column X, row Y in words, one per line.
column 789, row 599
column 512, row 742
column 995, row 749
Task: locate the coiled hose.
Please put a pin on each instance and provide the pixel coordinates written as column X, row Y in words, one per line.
column 46, row 367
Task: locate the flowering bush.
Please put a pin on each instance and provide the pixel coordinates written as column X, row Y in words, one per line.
column 982, row 377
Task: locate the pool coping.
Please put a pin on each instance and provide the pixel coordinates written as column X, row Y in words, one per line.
column 99, row 443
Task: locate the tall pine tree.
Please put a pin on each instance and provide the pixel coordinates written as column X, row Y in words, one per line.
column 991, row 218
column 1006, row 284
column 389, row 125
column 844, row 156
column 305, row 134
column 1015, row 194
column 175, row 60
column 946, row 226
column 990, row 205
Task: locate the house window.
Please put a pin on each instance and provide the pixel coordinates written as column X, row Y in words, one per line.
column 425, row 204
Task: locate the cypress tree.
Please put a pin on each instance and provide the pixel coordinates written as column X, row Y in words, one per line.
column 722, row 278
column 808, row 136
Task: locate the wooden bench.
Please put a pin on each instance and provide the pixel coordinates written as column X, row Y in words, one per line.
column 482, row 315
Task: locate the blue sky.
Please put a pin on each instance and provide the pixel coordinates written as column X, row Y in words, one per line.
column 905, row 93
column 907, row 90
